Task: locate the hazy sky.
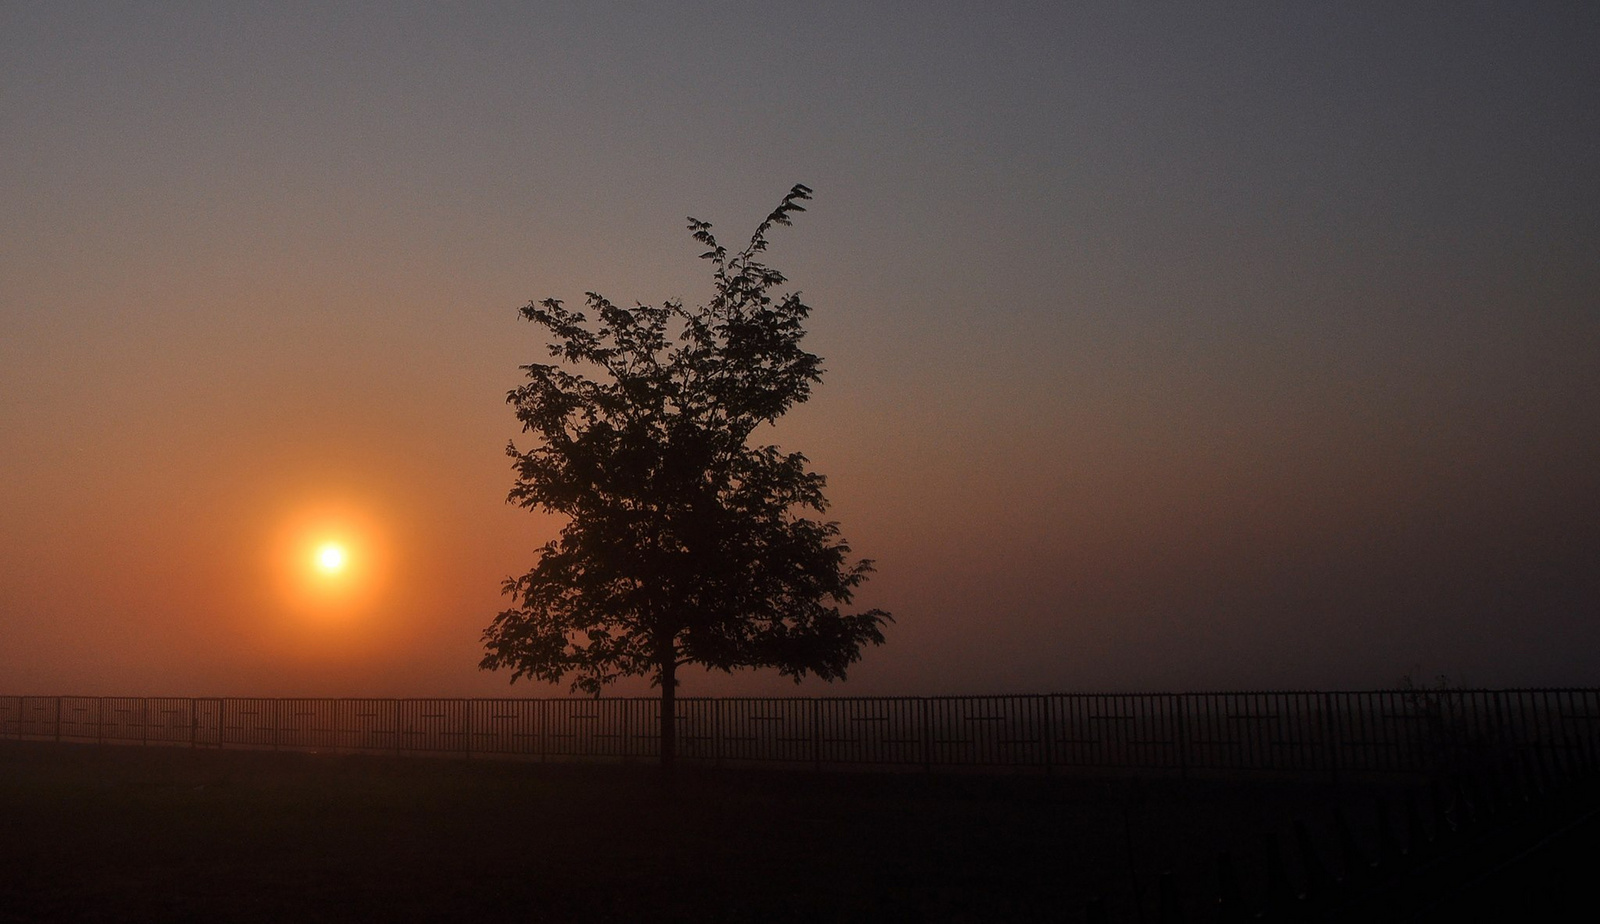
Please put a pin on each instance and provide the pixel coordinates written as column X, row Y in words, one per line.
column 1168, row 345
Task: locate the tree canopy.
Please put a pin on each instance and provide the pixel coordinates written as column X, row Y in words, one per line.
column 686, row 539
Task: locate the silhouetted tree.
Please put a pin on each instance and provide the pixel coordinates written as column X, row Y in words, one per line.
column 683, row 543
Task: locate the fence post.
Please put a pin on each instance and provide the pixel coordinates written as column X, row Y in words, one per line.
column 1047, row 734
column 716, row 732
column 100, row 721
column 816, row 734
column 466, row 735
column 1181, row 738
column 1588, row 730
column 1331, row 719
column 1502, row 726
column 194, row 721
column 927, row 737
column 58, row 720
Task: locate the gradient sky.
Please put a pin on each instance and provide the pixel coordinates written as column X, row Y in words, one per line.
column 1168, row 345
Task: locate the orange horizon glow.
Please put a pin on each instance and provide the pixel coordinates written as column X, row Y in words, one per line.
column 1171, row 364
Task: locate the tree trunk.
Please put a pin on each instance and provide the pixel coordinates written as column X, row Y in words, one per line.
column 669, row 712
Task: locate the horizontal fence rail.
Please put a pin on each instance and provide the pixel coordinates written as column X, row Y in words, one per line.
column 1401, row 731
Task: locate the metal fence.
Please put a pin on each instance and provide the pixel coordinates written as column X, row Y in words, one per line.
column 1401, row 731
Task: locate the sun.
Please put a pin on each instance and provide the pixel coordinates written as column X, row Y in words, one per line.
column 328, row 562
column 331, row 558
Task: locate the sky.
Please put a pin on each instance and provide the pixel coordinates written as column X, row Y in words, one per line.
column 1168, row 346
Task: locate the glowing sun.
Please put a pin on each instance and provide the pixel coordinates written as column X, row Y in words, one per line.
column 331, row 558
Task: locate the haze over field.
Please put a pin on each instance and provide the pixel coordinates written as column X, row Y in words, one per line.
column 1167, row 347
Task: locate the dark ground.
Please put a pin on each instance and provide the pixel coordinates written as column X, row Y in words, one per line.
column 169, row 834
column 1542, row 870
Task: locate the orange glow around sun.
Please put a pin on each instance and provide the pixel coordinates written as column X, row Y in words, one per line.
column 334, row 586
column 329, row 564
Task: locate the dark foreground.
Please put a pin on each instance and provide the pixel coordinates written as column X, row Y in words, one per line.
column 129, row 834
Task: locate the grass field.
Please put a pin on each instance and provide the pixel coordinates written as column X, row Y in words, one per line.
column 172, row 834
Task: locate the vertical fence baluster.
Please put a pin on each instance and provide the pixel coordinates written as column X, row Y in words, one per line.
column 1332, row 717
column 1181, row 736
column 927, row 738
column 816, row 734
